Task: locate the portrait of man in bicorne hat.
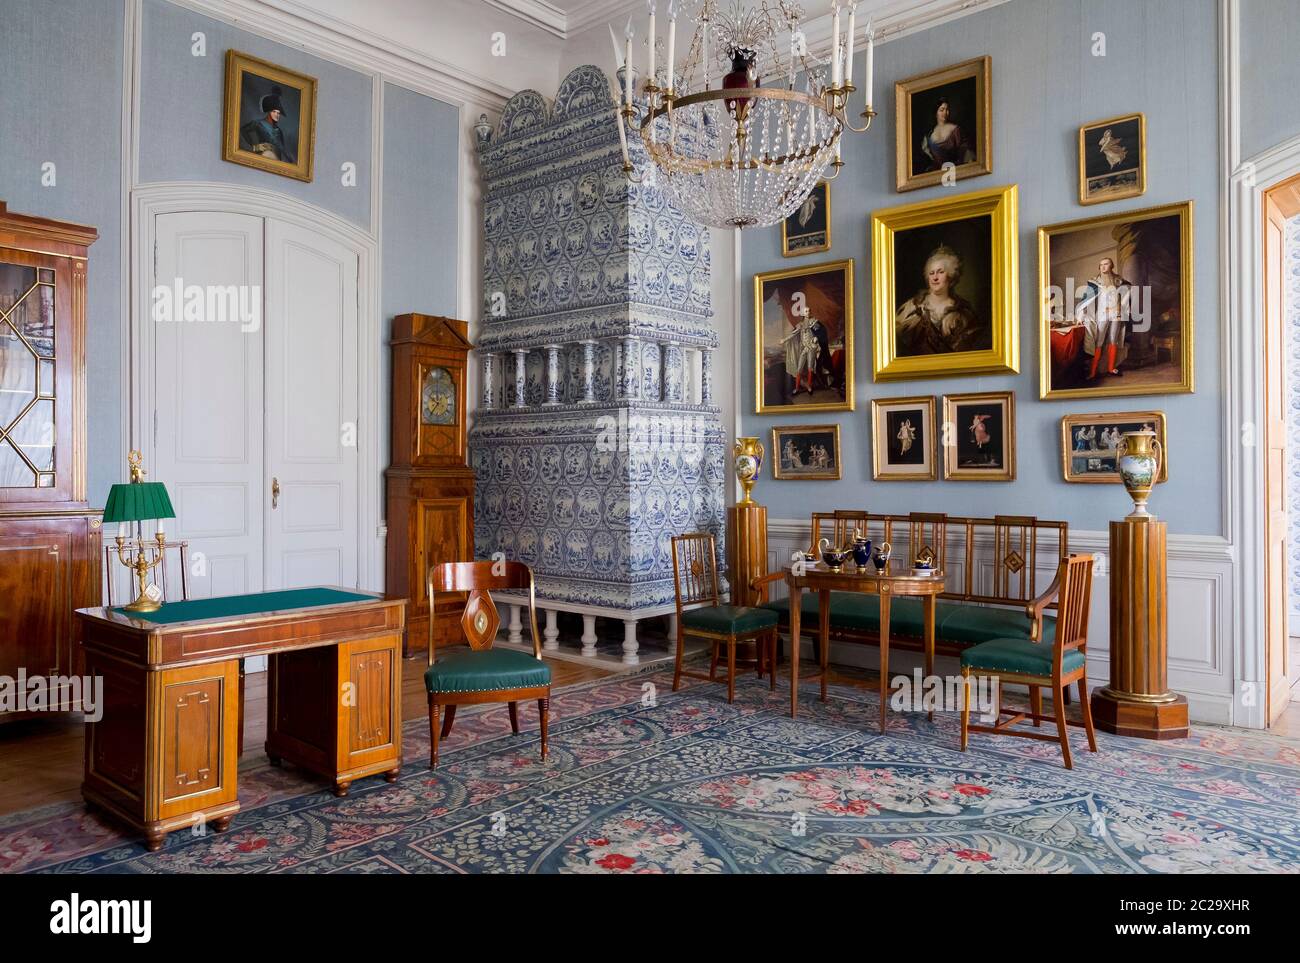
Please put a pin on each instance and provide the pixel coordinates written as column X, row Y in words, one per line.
column 265, row 135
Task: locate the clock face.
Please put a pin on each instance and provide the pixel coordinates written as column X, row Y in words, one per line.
column 438, row 398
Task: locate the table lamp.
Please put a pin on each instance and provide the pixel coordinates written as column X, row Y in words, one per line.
column 139, row 501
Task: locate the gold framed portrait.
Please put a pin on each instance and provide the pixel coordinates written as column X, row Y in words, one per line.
column 806, row 452
column 944, row 123
column 945, row 283
column 980, row 436
column 1113, row 159
column 270, row 117
column 1089, row 444
column 903, row 439
column 803, row 339
column 808, row 228
column 1115, row 304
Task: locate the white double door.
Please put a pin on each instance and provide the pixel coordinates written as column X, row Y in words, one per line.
column 256, row 415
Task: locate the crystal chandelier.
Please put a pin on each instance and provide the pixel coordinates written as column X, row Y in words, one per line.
column 741, row 130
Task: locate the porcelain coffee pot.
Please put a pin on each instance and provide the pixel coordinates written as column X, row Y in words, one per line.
column 833, row 558
column 861, row 550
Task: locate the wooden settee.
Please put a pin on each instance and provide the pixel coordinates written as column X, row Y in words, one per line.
column 992, row 578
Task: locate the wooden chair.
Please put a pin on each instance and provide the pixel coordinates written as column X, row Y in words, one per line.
column 1035, row 663
column 695, row 578
column 481, row 673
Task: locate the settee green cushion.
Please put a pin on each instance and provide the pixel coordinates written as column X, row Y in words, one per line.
column 970, row 623
column 464, row 670
column 853, row 610
column 1018, row 655
column 729, row 619
column 961, row 622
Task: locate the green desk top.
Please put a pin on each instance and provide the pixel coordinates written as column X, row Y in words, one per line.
column 231, row 606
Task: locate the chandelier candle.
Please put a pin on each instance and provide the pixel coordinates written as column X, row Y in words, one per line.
column 848, row 48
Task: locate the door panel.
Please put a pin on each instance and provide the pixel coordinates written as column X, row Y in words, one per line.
column 312, row 409
column 208, row 397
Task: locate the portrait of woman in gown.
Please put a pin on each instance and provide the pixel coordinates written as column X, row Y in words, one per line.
column 946, row 143
column 943, row 131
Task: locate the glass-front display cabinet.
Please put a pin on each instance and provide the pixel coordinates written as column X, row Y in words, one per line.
column 49, row 534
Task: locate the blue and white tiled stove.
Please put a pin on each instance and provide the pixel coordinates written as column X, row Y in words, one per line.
column 596, row 437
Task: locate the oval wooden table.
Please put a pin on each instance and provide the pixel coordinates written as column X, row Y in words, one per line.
column 895, row 579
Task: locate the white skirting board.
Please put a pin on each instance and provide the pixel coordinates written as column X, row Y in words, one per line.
column 1200, row 632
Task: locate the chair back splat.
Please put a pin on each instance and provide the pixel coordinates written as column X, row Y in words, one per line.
column 481, row 619
column 1075, row 576
column 695, row 569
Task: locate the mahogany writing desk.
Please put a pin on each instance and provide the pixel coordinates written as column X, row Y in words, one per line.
column 164, row 754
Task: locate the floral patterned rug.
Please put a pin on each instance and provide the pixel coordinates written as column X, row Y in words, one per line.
column 644, row 780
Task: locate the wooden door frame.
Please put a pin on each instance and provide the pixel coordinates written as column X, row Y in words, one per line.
column 151, row 200
column 1244, row 366
column 1284, row 197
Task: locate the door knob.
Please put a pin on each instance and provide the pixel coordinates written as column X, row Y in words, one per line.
column 275, row 492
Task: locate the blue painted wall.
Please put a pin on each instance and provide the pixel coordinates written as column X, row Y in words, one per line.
column 181, row 99
column 421, row 158
column 1270, row 73
column 1161, row 60
column 61, row 101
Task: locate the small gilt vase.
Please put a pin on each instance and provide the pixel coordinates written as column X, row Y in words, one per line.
column 1139, row 456
column 748, row 459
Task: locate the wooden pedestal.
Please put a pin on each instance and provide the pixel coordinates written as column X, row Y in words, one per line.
column 746, row 550
column 1138, row 701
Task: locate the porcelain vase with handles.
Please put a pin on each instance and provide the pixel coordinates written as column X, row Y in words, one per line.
column 1139, row 456
column 748, row 454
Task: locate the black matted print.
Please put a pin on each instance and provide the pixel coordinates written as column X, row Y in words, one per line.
column 980, row 434
column 1112, row 159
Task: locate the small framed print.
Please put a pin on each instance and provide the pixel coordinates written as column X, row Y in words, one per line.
column 1113, row 159
column 980, row 445
column 806, row 452
column 270, row 117
column 1089, row 444
column 903, row 445
column 808, row 229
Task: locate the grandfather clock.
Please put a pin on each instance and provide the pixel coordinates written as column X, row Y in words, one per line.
column 430, row 484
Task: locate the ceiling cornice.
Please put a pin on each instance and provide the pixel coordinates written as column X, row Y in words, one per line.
column 894, row 19
column 594, row 13
column 539, row 13
column 350, row 45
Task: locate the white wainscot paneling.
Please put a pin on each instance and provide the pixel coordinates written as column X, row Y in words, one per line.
column 1200, row 585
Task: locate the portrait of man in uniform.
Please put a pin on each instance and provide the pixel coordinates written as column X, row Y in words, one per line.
column 270, row 120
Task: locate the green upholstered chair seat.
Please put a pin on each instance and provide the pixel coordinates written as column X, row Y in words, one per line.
column 729, row 619
column 953, row 621
column 1020, row 656
column 488, row 670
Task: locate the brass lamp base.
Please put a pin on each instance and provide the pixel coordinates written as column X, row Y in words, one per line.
column 143, row 604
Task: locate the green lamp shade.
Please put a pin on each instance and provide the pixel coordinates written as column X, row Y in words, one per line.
column 138, row 502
